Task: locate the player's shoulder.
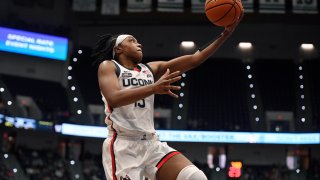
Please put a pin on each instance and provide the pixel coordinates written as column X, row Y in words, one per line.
column 109, row 66
column 106, row 65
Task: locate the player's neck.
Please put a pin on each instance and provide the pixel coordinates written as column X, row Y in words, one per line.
column 128, row 63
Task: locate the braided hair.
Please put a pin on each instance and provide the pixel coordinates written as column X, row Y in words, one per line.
column 103, row 49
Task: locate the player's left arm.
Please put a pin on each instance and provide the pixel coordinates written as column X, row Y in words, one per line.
column 187, row 62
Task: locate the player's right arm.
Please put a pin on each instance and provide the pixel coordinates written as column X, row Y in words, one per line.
column 188, row 62
column 111, row 90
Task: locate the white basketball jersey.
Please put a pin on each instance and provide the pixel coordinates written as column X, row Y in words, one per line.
column 136, row 117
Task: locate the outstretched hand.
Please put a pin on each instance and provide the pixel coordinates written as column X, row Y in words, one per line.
column 164, row 84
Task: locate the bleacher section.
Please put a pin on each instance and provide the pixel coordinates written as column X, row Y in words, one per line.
column 217, row 98
column 276, row 83
column 50, row 97
column 92, row 167
column 313, row 68
column 86, row 75
column 43, row 164
column 5, row 172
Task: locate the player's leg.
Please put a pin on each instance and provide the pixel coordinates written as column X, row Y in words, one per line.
column 106, row 159
column 119, row 160
column 178, row 167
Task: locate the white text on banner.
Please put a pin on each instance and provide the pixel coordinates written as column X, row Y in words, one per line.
column 305, row 6
column 272, row 6
column 170, row 5
column 197, row 6
column 110, row 7
column 247, row 5
column 84, row 5
column 139, row 5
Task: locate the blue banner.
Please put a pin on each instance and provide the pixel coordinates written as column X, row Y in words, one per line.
column 205, row 136
column 34, row 44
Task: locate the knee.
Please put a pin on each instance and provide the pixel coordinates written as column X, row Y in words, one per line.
column 191, row 173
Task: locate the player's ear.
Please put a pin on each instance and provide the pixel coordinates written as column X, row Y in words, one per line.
column 118, row 49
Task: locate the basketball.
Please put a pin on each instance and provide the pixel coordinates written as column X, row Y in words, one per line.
column 223, row 12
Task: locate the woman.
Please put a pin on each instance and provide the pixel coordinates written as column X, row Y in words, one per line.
column 132, row 149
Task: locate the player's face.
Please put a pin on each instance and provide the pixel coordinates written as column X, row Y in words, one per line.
column 132, row 49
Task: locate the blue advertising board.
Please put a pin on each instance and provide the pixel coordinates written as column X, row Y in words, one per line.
column 34, row 44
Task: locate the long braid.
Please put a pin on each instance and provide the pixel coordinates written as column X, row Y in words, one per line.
column 103, row 49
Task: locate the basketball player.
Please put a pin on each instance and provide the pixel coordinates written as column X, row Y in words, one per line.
column 132, row 149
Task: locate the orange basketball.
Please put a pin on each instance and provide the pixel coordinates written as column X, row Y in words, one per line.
column 223, row 12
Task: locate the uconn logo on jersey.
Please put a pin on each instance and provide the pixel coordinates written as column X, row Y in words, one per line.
column 135, row 82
